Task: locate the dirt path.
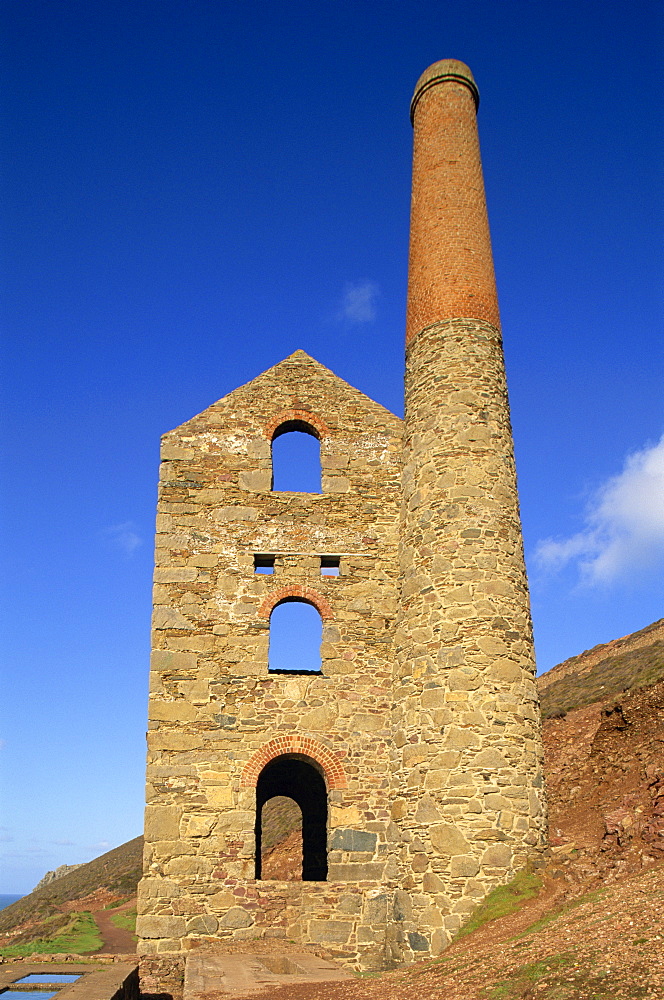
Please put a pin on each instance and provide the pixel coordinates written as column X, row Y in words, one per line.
column 116, row 940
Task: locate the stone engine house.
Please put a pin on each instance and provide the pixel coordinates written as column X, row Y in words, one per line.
column 413, row 750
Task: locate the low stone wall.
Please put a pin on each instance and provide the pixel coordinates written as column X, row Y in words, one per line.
column 162, row 977
column 348, row 919
column 111, row 980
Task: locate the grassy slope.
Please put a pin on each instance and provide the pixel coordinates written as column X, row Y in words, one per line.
column 118, row 871
column 619, row 670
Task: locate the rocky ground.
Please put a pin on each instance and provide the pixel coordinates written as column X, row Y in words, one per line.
column 595, row 927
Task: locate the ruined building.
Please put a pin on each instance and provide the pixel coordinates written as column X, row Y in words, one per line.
column 413, row 750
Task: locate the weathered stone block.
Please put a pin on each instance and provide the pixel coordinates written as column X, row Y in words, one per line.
column 458, row 739
column 465, row 865
column 353, row 840
column 417, row 941
column 175, row 574
column 490, row 759
column 187, row 866
column 402, row 906
column 434, row 698
column 330, row 931
column 221, row 901
column 368, row 723
column 447, row 839
column 197, row 825
column 375, row 908
column 257, row 482
column 172, row 660
column 162, row 822
column 371, row 871
column 204, row 923
column 350, row 904
column 466, row 679
column 156, row 926
column 414, row 754
column 427, row 811
column 237, row 916
column 171, row 711
column 319, row 719
column 164, row 617
column 498, row 856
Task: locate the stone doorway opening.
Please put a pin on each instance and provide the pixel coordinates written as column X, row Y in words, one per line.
column 298, row 778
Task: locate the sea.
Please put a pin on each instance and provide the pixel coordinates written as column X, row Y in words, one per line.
column 6, row 900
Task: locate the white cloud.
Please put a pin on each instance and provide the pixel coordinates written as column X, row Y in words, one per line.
column 624, row 530
column 124, row 537
column 358, row 303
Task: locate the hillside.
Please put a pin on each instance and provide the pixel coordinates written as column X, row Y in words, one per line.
column 45, row 911
column 586, row 926
column 601, row 673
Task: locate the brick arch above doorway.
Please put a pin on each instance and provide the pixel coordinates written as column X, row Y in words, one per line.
column 335, row 775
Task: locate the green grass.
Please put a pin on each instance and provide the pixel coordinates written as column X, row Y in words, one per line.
column 526, row 976
column 125, row 920
column 607, row 679
column 544, row 921
column 117, row 902
column 561, row 977
column 503, row 900
column 79, row 936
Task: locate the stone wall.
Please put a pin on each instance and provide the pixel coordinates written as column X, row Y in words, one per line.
column 217, row 715
column 467, row 758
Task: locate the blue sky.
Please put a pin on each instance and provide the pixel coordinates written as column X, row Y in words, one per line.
column 193, row 190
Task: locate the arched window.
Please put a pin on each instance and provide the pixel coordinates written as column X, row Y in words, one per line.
column 296, row 458
column 296, row 633
column 298, row 778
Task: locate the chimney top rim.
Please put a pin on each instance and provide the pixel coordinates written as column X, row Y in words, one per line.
column 439, row 72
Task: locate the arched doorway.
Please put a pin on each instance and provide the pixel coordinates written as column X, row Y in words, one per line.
column 297, row 778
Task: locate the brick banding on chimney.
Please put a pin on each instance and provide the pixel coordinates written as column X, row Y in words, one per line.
column 335, row 776
column 450, row 271
column 295, row 592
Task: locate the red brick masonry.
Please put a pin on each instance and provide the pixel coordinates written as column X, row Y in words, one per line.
column 301, row 593
column 334, row 773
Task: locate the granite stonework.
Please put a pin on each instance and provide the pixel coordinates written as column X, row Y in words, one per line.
column 415, row 751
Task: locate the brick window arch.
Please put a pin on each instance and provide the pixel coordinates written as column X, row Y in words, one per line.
column 295, row 419
column 306, row 746
column 295, row 592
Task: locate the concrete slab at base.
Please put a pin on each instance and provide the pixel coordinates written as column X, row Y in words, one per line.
column 245, row 974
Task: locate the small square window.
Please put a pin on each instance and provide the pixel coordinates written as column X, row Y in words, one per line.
column 264, row 565
column 329, row 565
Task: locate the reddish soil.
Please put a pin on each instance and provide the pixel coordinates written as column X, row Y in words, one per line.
column 283, row 862
column 605, row 781
column 116, row 940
